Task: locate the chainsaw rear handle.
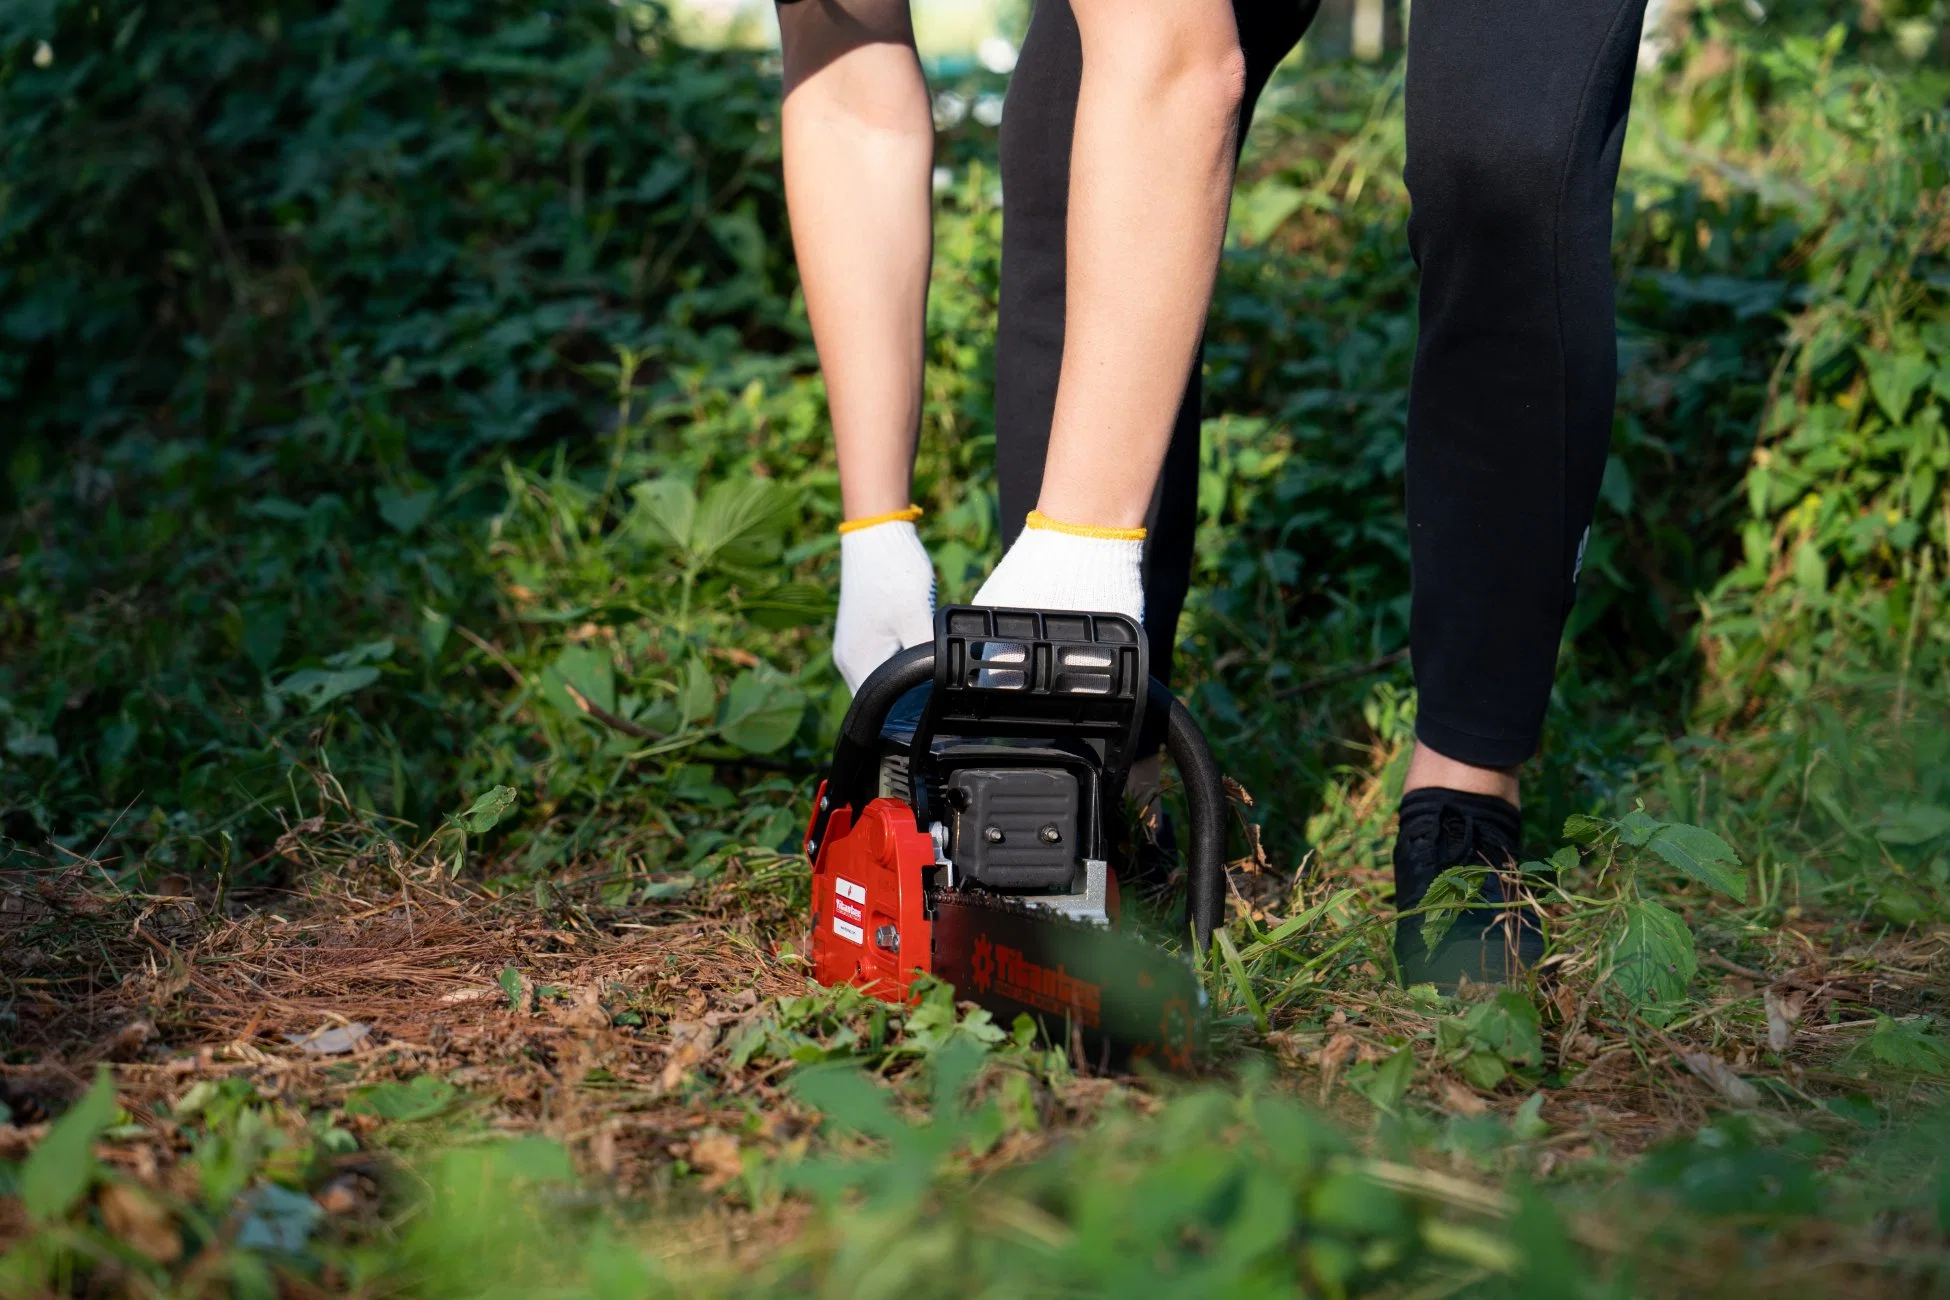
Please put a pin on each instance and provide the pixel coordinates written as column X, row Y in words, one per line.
column 853, row 776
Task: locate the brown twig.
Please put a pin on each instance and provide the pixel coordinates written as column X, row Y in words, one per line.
column 494, row 653
column 608, row 719
column 1342, row 675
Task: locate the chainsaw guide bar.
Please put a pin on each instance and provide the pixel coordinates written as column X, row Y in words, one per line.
column 1113, row 999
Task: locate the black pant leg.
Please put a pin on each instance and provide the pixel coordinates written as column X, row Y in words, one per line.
column 1516, row 118
column 1037, row 124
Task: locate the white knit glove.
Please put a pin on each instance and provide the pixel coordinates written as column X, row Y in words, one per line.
column 886, row 594
column 1070, row 567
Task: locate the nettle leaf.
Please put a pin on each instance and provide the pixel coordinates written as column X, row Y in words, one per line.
column 1584, row 830
column 58, row 1171
column 1447, row 895
column 761, row 711
column 1702, row 856
column 487, row 812
column 1637, row 827
column 1651, row 952
column 1894, row 379
column 1908, row 1047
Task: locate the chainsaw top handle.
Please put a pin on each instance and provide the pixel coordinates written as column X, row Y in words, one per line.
column 1035, row 673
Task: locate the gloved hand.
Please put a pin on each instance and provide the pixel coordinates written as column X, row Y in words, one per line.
column 886, row 593
column 1070, row 566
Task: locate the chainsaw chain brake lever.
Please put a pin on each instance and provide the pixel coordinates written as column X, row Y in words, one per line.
column 1034, row 673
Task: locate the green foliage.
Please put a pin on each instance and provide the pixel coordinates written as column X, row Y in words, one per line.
column 1492, row 1039
column 1649, row 947
column 419, row 1098
column 61, row 1168
column 1651, row 953
column 401, row 397
column 1908, row 1048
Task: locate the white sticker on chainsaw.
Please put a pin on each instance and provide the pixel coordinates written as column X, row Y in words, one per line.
column 847, row 889
column 849, row 931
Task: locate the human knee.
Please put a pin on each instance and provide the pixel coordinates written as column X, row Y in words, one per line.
column 1468, row 175
column 855, row 56
column 1186, row 52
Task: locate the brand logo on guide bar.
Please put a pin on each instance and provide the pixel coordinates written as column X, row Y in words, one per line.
column 1006, row 971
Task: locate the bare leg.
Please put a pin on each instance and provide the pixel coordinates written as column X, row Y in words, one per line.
column 1427, row 768
column 1150, row 177
column 858, row 135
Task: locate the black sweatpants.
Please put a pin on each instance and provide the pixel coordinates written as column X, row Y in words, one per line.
column 1516, row 116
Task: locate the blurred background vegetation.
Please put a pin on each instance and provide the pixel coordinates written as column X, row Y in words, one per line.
column 384, row 384
column 372, row 372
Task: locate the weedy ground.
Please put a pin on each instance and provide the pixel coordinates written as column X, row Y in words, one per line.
column 418, row 556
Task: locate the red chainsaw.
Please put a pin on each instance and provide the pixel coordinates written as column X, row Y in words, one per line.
column 964, row 831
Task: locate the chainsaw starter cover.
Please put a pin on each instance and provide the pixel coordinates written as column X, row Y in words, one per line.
column 1015, row 827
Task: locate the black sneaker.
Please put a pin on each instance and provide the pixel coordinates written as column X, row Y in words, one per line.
column 1486, row 942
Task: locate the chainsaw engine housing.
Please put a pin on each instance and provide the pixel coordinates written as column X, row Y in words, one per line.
column 995, row 774
column 963, row 828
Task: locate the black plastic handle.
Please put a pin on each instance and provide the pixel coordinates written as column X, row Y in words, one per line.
column 1205, row 793
column 852, row 778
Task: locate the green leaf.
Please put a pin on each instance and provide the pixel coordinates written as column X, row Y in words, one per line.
column 1703, row 856
column 698, row 695
column 1448, row 894
column 1908, row 1047
column 1508, row 1025
column 1895, row 378
column 1240, row 982
column 1651, row 953
column 370, row 652
column 1391, row 1080
column 487, row 811
column 404, row 512
column 1900, row 905
column 1810, row 568
column 1565, row 859
column 587, row 669
column 1485, row 1070
column 58, row 1171
column 1529, row 1124
column 1637, row 828
column 847, row 1100
column 1912, row 823
column 317, row 687
column 1581, row 829
column 792, row 605
column 664, row 512
column 742, row 521
column 513, row 986
column 419, row 1098
column 761, row 711
column 264, row 628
